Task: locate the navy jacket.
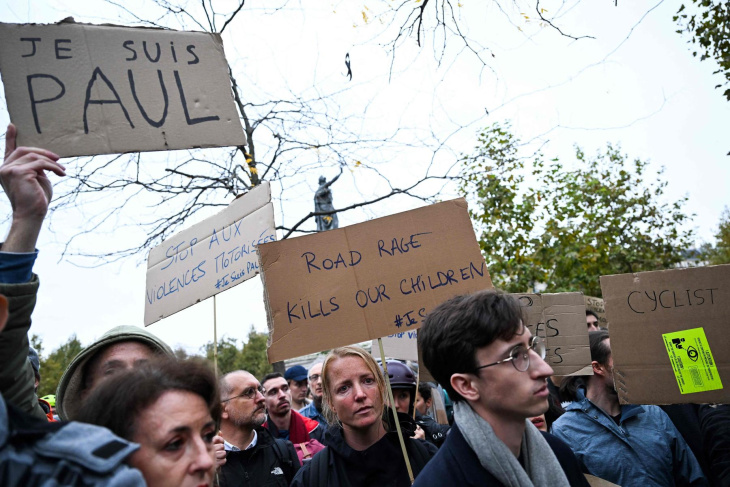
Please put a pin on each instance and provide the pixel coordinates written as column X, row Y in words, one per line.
column 457, row 464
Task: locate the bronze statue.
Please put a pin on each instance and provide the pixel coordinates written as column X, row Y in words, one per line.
column 323, row 203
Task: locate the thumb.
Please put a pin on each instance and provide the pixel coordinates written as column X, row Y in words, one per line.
column 10, row 139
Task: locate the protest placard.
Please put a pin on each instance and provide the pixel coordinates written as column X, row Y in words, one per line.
column 209, row 257
column 669, row 335
column 368, row 280
column 596, row 305
column 561, row 320
column 79, row 89
column 402, row 346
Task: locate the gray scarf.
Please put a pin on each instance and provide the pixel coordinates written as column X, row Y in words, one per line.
column 541, row 466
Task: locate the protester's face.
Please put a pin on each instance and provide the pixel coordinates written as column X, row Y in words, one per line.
column 278, row 396
column 539, row 422
column 116, row 358
column 592, row 323
column 402, row 398
column 609, row 369
column 355, row 396
column 298, row 390
column 505, row 393
column 315, row 385
column 175, row 435
column 243, row 412
column 421, row 405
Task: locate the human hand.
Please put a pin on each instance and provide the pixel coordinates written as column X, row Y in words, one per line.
column 420, row 434
column 220, row 452
column 28, row 188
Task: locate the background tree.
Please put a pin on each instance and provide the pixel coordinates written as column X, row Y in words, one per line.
column 545, row 223
column 251, row 356
column 719, row 253
column 709, row 28
column 53, row 366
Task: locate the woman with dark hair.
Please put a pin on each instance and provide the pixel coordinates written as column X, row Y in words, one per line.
column 362, row 448
column 171, row 408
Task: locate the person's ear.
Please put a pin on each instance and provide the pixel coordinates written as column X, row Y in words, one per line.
column 598, row 369
column 224, row 411
column 464, row 385
column 3, row 311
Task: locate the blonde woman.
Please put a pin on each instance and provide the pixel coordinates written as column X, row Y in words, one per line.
column 362, row 448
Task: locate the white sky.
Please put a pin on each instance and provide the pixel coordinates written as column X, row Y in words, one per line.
column 639, row 88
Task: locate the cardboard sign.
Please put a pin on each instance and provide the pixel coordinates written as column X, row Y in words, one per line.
column 209, row 257
column 596, row 305
column 669, row 335
column 368, row 280
column 561, row 320
column 599, row 482
column 403, row 346
column 80, row 89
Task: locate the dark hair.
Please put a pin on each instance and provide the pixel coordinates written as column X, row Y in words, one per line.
column 600, row 352
column 455, row 329
column 424, row 389
column 272, row 375
column 592, row 313
column 118, row 401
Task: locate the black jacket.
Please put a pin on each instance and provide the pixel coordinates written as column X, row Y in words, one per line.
column 715, row 424
column 271, row 462
column 435, row 432
column 457, row 464
column 382, row 464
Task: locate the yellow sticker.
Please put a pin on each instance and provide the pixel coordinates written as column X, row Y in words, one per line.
column 692, row 361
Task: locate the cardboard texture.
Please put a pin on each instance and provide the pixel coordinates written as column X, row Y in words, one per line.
column 561, row 320
column 403, row 346
column 644, row 307
column 80, row 89
column 209, row 257
column 599, row 482
column 424, row 373
column 596, row 305
column 368, row 280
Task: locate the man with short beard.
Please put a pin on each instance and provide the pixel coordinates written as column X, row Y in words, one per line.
column 254, row 457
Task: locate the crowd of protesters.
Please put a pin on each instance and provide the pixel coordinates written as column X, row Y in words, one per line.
column 128, row 413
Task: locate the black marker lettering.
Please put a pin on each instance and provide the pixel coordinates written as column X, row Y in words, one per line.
column 139, row 105
column 88, row 101
column 34, row 102
column 134, row 53
column 190, row 121
column 59, row 48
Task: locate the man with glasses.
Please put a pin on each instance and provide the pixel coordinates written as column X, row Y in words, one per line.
column 254, row 457
column 314, row 409
column 479, row 350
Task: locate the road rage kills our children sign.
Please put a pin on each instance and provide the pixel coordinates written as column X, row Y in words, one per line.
column 79, row 89
column 209, row 257
column 669, row 335
column 368, row 280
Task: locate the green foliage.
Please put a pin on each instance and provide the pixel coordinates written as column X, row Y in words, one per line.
column 541, row 222
column 251, row 357
column 709, row 27
column 720, row 252
column 53, row 366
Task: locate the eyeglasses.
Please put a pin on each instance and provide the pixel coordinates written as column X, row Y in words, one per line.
column 249, row 393
column 520, row 355
column 314, row 377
